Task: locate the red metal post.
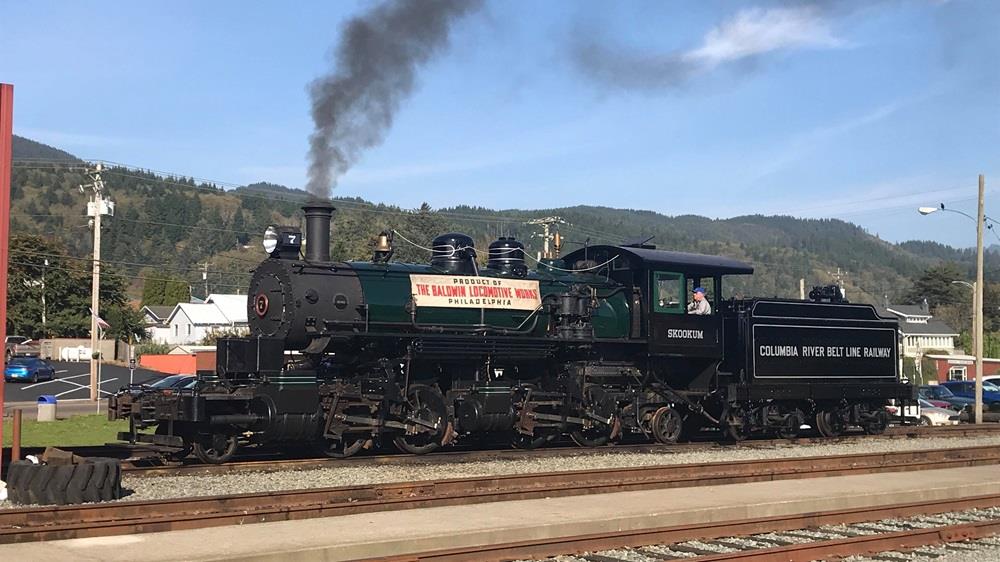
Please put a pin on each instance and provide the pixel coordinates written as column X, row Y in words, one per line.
column 15, row 449
column 6, row 142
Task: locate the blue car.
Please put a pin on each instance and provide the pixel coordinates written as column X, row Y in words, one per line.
column 28, row 369
column 967, row 389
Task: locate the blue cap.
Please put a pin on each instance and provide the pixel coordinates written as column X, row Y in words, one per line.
column 699, row 290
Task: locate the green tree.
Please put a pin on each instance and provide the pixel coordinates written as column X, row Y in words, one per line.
column 127, row 325
column 165, row 291
column 66, row 287
column 935, row 285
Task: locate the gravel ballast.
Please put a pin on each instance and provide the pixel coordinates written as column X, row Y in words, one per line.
column 353, row 473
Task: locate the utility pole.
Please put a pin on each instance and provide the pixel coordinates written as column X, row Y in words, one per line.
column 980, row 223
column 204, row 277
column 96, row 208
column 802, row 289
column 547, row 223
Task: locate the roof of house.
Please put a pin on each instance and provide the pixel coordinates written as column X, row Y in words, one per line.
column 957, row 358
column 200, row 314
column 160, row 313
column 931, row 328
column 908, row 309
column 218, row 310
column 234, row 307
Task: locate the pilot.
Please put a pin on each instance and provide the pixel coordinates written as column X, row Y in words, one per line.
column 699, row 305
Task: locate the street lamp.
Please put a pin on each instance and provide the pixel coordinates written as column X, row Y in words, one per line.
column 988, row 221
column 980, row 221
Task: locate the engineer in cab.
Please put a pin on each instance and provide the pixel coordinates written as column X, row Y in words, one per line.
column 699, row 305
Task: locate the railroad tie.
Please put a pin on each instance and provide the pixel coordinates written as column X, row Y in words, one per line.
column 692, row 550
column 771, row 541
column 658, row 555
column 730, row 543
column 600, row 558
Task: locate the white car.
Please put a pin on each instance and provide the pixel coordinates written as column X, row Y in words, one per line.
column 932, row 415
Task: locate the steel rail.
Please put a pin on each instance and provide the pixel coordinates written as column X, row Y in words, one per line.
column 112, row 518
column 543, row 548
column 140, row 461
column 460, row 456
column 867, row 544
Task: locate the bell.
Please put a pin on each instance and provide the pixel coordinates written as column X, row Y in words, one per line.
column 383, row 247
column 383, row 243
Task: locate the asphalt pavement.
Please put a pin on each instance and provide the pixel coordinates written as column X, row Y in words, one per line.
column 72, row 382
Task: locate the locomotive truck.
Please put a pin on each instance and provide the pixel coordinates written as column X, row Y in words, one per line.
column 596, row 346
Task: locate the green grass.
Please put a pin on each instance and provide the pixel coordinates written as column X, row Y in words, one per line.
column 91, row 429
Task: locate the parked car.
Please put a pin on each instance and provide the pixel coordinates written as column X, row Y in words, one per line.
column 932, row 415
column 176, row 382
column 20, row 346
column 939, row 393
column 25, row 369
column 967, row 389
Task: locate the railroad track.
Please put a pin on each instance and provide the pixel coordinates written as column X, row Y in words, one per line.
column 793, row 538
column 114, row 518
column 460, row 456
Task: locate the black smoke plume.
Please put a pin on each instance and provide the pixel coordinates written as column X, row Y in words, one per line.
column 376, row 63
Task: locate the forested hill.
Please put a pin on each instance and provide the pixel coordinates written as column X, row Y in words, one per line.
column 170, row 226
column 27, row 149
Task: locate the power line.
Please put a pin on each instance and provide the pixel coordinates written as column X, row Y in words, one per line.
column 115, row 274
column 118, row 262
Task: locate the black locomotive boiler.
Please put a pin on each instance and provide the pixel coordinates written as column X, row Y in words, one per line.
column 597, row 346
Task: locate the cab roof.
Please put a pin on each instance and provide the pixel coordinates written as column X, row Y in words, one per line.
column 651, row 258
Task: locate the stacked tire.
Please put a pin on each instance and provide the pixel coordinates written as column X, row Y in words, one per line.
column 95, row 480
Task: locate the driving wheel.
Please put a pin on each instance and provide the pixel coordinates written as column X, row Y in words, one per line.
column 424, row 415
column 342, row 448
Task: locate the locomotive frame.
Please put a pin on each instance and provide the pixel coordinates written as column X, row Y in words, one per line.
column 348, row 356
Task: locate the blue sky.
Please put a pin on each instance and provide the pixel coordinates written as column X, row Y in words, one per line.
column 861, row 112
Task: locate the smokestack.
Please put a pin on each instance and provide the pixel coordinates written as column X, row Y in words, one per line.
column 318, row 217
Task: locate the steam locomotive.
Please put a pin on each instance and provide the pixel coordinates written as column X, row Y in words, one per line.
column 596, row 346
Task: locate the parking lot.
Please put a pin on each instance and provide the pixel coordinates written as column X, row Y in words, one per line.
column 73, row 382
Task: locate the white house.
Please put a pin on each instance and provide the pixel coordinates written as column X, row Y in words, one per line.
column 189, row 322
column 920, row 332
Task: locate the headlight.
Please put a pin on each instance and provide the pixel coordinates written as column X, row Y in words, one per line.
column 270, row 239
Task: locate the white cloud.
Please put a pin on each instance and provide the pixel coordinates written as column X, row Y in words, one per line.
column 756, row 31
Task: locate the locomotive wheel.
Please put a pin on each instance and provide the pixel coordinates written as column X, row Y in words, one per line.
column 734, row 428
column 878, row 423
column 597, row 435
column 427, row 405
column 829, row 424
column 789, row 428
column 528, row 442
column 667, row 425
column 161, row 429
column 216, row 448
column 343, row 448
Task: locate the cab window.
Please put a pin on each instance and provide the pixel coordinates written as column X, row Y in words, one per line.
column 669, row 292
